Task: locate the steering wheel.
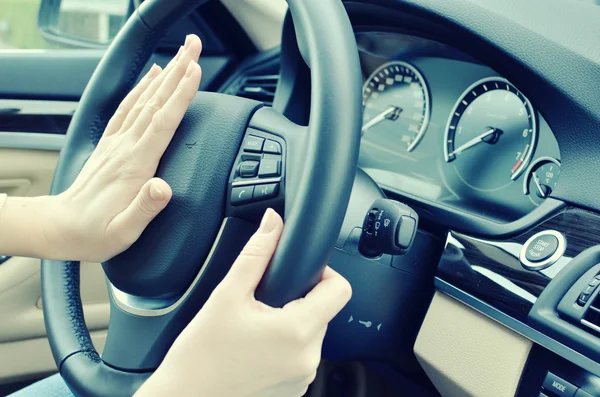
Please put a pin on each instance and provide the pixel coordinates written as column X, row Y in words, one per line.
column 159, row 284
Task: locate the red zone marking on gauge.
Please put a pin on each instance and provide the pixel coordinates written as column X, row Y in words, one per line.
column 520, row 161
column 517, row 166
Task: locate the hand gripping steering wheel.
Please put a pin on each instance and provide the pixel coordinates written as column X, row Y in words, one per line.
column 159, row 284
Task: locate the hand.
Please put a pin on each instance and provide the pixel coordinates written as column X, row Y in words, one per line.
column 115, row 196
column 239, row 347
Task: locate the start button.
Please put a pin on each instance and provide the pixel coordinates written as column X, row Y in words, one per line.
column 542, row 250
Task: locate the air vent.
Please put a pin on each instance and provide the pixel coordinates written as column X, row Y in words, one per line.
column 261, row 88
column 591, row 319
column 256, row 78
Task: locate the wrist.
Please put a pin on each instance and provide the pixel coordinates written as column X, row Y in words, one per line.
column 22, row 227
column 53, row 228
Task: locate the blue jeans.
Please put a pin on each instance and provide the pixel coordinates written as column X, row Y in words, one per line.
column 52, row 386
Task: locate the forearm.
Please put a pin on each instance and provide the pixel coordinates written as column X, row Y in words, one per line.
column 22, row 229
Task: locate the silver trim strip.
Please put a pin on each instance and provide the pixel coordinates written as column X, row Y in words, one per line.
column 31, row 140
column 255, row 182
column 145, row 307
column 591, row 325
column 560, row 250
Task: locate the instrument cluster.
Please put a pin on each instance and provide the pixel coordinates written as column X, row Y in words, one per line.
column 439, row 126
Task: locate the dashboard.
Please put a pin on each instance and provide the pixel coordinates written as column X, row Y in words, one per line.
column 441, row 127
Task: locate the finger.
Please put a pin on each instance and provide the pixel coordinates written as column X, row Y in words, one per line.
column 127, row 104
column 152, row 198
column 156, row 139
column 325, row 300
column 250, row 266
column 192, row 49
column 135, row 111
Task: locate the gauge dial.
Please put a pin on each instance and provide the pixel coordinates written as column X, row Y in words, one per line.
column 541, row 178
column 491, row 134
column 396, row 106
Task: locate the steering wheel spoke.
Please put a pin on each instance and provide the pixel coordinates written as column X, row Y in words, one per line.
column 142, row 329
column 268, row 166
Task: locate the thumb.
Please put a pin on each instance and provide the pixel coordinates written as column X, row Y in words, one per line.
column 249, row 268
column 152, row 198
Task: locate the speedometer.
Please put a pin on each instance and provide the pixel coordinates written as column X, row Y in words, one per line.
column 396, row 106
column 491, row 134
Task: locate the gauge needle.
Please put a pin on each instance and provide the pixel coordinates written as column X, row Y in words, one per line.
column 391, row 113
column 538, row 184
column 473, row 142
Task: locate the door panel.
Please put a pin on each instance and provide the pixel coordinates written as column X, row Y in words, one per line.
column 39, row 92
column 24, row 349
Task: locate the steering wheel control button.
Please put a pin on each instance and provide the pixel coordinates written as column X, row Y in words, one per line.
column 542, row 249
column 558, row 387
column 253, row 144
column 263, row 192
column 388, row 228
column 249, row 169
column 241, row 195
column 272, row 147
column 269, row 167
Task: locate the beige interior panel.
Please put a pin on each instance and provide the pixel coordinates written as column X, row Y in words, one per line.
column 26, row 172
column 32, row 358
column 466, row 354
column 262, row 20
column 21, row 315
column 24, row 349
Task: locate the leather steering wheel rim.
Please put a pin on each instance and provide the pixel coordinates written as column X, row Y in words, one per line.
column 320, row 192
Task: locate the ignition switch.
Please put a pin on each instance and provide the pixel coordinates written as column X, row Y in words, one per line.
column 389, row 228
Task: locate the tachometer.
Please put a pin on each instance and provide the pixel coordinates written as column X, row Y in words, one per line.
column 491, row 134
column 396, row 105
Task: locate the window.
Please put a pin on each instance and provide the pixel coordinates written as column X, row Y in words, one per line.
column 66, row 23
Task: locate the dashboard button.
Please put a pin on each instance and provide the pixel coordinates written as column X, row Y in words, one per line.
column 272, row 147
column 558, row 386
column 588, row 290
column 241, row 195
column 583, row 298
column 541, row 248
column 253, row 144
column 269, row 167
column 263, row 192
column 248, row 169
column 582, row 393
